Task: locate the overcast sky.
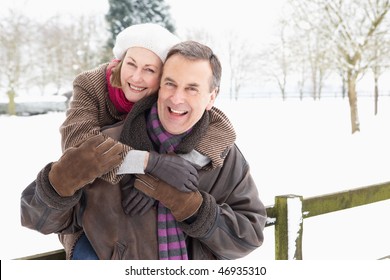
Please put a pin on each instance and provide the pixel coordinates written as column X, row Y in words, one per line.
column 246, row 16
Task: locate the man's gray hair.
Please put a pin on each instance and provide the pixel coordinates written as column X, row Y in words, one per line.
column 196, row 51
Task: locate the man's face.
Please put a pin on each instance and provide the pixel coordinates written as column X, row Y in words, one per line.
column 184, row 93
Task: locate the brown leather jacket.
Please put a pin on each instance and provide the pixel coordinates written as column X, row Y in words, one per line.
column 229, row 224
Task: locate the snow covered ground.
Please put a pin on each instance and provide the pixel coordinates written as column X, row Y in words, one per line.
column 293, row 147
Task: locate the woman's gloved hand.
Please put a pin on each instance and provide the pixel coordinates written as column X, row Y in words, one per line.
column 174, row 170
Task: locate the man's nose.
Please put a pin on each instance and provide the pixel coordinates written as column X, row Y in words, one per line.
column 178, row 96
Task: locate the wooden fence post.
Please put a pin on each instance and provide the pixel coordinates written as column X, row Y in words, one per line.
column 288, row 227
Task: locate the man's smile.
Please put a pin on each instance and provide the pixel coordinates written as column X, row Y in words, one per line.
column 177, row 112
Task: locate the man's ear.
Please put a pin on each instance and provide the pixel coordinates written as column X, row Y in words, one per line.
column 213, row 95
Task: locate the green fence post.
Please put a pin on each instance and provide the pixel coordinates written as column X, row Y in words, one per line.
column 288, row 227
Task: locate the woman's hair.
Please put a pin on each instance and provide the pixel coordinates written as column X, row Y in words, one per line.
column 195, row 51
column 116, row 75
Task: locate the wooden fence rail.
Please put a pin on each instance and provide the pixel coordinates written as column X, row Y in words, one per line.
column 288, row 213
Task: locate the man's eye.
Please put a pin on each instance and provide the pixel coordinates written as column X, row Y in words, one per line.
column 192, row 90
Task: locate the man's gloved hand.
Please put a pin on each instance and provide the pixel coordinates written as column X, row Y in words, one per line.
column 135, row 202
column 80, row 165
column 174, row 170
column 183, row 205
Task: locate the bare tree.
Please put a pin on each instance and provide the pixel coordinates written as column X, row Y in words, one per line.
column 276, row 60
column 242, row 65
column 357, row 24
column 38, row 54
column 310, row 52
column 350, row 26
column 344, row 82
column 68, row 46
column 300, row 66
column 88, row 36
column 200, row 35
column 14, row 53
column 235, row 51
column 381, row 50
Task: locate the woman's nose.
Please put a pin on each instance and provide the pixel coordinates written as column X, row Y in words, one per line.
column 137, row 75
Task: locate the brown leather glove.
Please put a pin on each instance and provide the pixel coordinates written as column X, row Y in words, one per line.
column 80, row 165
column 182, row 204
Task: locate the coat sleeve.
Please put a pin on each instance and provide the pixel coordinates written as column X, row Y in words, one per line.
column 232, row 218
column 43, row 210
column 88, row 113
column 82, row 116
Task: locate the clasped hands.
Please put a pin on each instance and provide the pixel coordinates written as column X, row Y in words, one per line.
column 171, row 180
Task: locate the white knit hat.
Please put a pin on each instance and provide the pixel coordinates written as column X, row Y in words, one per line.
column 147, row 35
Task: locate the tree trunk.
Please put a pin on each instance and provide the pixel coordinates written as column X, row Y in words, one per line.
column 237, row 89
column 314, row 84
column 343, row 89
column 320, row 82
column 352, row 96
column 301, row 82
column 343, row 86
column 283, row 88
column 376, row 95
column 11, row 102
column 283, row 91
column 231, row 85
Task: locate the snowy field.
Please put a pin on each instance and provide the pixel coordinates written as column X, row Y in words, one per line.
column 293, row 147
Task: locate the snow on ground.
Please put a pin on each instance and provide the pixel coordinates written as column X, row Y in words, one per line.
column 294, row 147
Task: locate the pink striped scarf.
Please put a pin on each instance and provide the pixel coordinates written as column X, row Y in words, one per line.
column 171, row 239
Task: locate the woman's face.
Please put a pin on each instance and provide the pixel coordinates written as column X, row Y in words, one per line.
column 140, row 73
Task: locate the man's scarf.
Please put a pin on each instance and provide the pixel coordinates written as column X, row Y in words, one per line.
column 117, row 95
column 171, row 239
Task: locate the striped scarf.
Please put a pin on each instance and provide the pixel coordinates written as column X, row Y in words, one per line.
column 171, row 239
